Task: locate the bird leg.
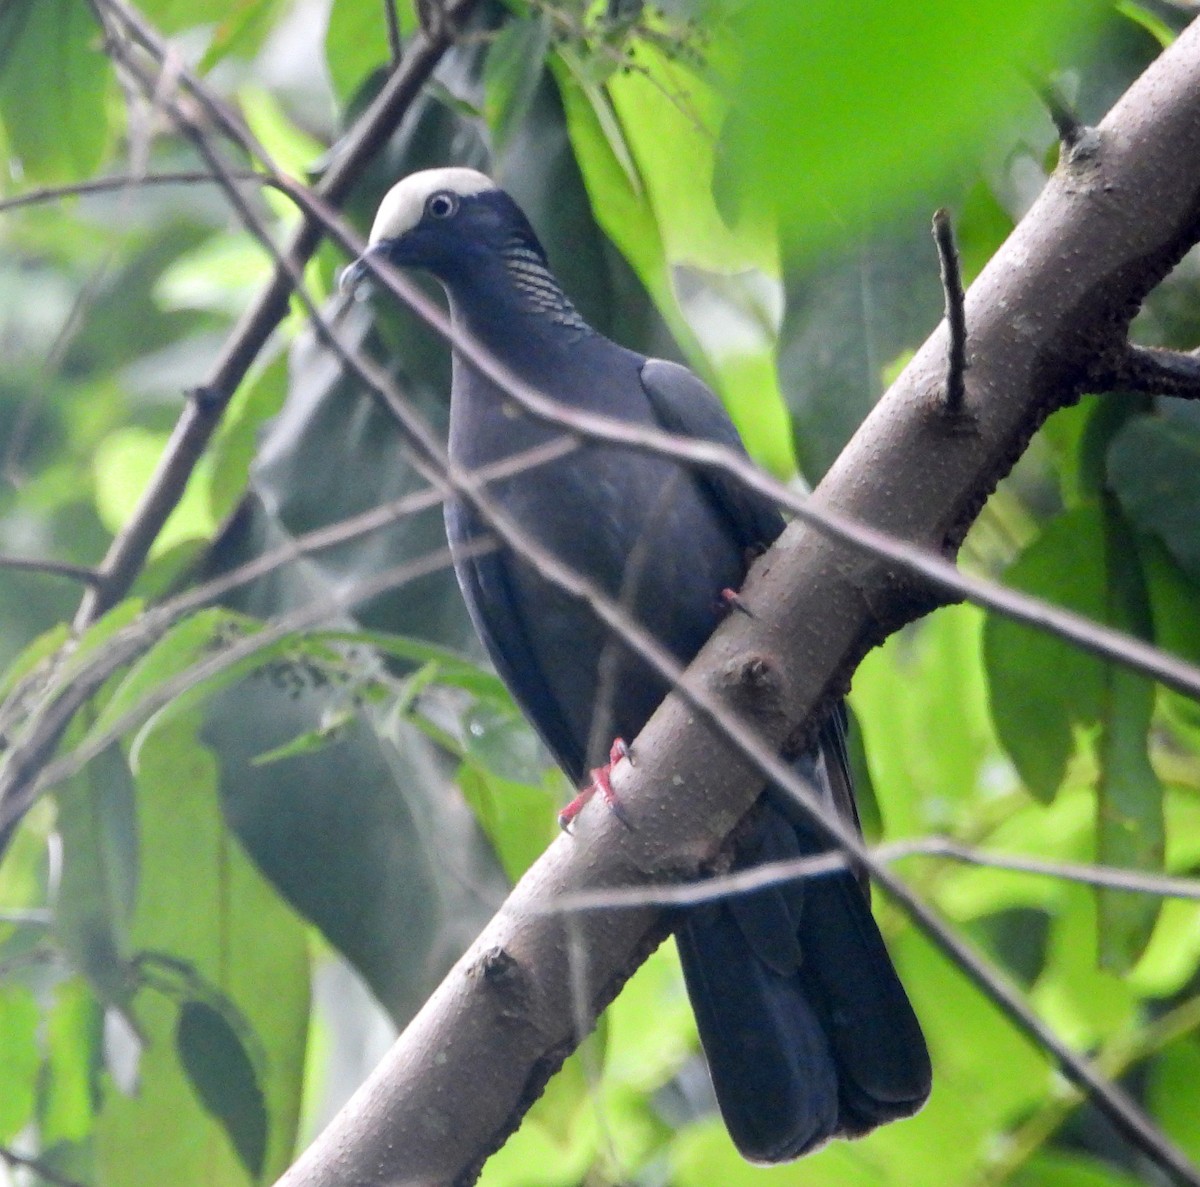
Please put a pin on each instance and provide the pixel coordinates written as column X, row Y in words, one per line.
column 601, row 781
column 730, row 599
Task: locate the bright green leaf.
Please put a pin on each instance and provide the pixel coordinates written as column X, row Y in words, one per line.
column 73, row 1041
column 904, row 112
column 204, row 904
column 19, row 1058
column 123, row 465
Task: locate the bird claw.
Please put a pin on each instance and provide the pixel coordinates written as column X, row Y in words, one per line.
column 601, row 781
column 732, row 600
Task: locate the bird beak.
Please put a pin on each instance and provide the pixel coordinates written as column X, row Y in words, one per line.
column 359, row 270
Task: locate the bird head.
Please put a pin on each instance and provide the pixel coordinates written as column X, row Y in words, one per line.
column 438, row 220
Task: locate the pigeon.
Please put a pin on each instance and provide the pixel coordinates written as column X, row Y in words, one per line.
column 806, row 1028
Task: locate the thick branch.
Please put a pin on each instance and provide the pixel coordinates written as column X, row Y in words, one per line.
column 1153, row 371
column 1057, row 296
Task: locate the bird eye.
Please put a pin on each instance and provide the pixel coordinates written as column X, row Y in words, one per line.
column 442, row 205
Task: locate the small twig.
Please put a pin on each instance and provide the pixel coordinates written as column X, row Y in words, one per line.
column 52, row 568
column 1067, row 124
column 197, row 425
column 102, row 185
column 773, row 873
column 395, row 46
column 1155, row 371
column 307, row 617
column 956, row 313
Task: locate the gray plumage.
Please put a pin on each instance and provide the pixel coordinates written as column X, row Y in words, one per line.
column 806, row 1027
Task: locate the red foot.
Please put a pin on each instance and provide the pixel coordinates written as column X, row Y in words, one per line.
column 732, row 600
column 602, row 783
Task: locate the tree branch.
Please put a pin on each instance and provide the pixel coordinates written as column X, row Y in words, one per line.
column 23, row 564
column 956, row 316
column 1154, row 371
column 765, row 759
column 201, row 417
column 1058, row 295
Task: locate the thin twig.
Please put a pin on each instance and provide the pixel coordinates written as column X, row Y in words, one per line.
column 121, row 181
column 395, row 45
column 315, row 612
column 710, row 708
column 1117, row 1057
column 1152, row 370
column 956, row 314
column 52, row 568
column 1067, row 124
column 943, row 575
column 200, row 419
column 773, row 873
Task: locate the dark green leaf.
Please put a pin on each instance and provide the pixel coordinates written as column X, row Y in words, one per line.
column 97, row 821
column 53, row 79
column 1043, row 691
column 1154, row 468
column 220, row 1069
column 511, row 74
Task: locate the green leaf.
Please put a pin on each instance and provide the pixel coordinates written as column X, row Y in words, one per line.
column 920, row 701
column 1172, row 1095
column 173, row 16
column 511, row 73
column 1046, row 695
column 204, row 905
column 1130, row 829
column 1140, row 15
column 53, row 79
column 510, row 813
column 244, row 26
column 45, row 645
column 904, row 113
column 74, row 1036
column 189, row 641
column 1056, row 1168
column 356, row 42
column 1040, row 687
column 123, row 465
column 1154, row 469
column 19, row 1058
column 236, row 441
column 220, row 1069
column 98, row 826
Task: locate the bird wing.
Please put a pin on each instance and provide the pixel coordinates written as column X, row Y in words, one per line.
column 683, row 404
column 496, row 614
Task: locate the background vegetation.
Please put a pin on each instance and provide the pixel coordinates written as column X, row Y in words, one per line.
column 209, row 930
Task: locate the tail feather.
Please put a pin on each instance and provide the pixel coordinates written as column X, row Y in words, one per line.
column 807, row 1030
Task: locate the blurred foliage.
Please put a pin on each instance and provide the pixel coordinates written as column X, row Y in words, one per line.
column 207, row 931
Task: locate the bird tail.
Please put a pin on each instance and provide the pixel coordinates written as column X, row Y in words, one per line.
column 807, row 1030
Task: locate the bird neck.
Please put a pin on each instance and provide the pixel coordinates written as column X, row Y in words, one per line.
column 534, row 285
column 512, row 304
